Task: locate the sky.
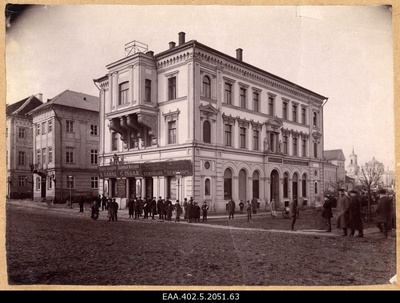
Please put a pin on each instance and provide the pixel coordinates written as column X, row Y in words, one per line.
column 342, row 52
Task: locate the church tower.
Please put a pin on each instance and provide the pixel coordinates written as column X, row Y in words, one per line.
column 353, row 168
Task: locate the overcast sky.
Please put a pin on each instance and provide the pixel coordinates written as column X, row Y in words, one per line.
column 343, row 52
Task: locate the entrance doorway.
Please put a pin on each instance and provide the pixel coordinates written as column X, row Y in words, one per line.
column 149, row 187
column 275, row 186
column 132, row 187
column 43, row 187
column 242, row 185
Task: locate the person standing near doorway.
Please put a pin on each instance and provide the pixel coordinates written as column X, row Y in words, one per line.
column 327, row 213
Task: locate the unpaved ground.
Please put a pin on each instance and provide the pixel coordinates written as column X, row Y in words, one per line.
column 60, row 248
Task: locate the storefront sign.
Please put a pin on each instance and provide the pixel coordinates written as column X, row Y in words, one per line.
column 275, row 160
column 166, row 168
column 293, row 162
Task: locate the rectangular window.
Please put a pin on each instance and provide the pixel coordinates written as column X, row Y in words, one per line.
column 114, row 141
column 294, row 108
column 285, row 144
column 242, row 97
column 93, row 156
column 38, row 156
column 70, row 182
column 256, row 140
column 303, row 115
column 228, row 135
column 69, row 155
column 171, row 132
column 172, row 88
column 147, row 90
column 49, row 126
column 271, row 105
column 294, row 146
column 284, row 110
column 21, row 181
column 43, row 128
column 315, row 150
column 38, row 183
column 303, row 148
column 93, row 130
column 69, row 126
column 123, row 93
column 242, row 132
column 228, row 93
column 256, row 101
column 50, row 154
column 21, row 133
column 44, row 155
column 94, row 182
column 38, row 129
column 21, row 158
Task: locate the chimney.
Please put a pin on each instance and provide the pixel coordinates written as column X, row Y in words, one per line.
column 181, row 38
column 39, row 96
column 239, row 54
column 171, row 45
column 150, row 53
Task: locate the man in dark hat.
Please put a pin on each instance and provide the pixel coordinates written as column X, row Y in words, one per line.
column 355, row 214
column 383, row 211
column 327, row 213
column 343, row 219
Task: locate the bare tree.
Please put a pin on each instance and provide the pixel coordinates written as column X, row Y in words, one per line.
column 369, row 177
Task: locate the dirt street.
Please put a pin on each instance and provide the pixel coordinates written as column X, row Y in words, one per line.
column 54, row 247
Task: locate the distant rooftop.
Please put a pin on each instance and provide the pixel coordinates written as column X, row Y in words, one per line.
column 23, row 106
column 334, row 154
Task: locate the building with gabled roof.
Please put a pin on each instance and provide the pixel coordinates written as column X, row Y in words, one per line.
column 65, row 147
column 19, row 136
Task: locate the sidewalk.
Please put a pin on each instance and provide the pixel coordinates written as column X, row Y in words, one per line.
column 123, row 215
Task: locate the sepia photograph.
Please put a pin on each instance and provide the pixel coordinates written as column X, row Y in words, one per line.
column 199, row 146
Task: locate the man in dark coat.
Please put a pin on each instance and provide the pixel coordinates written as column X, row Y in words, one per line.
column 293, row 212
column 115, row 207
column 343, row 219
column 231, row 208
column 383, row 212
column 160, row 208
column 254, row 204
column 81, row 204
column 190, row 208
column 131, row 207
column 185, row 207
column 104, row 202
column 153, row 208
column 355, row 215
column 327, row 213
column 204, row 208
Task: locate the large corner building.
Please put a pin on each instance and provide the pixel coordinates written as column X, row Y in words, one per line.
column 194, row 122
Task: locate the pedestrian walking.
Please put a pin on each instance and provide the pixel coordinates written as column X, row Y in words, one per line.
column 178, row 211
column 153, row 207
column 273, row 208
column 231, row 208
column 81, row 204
column 343, row 219
column 104, row 203
column 110, row 208
column 293, row 212
column 383, row 212
column 204, row 208
column 190, row 209
column 249, row 210
column 241, row 206
column 254, row 205
column 185, row 208
column 131, row 207
column 327, row 212
column 355, row 215
column 196, row 212
column 115, row 207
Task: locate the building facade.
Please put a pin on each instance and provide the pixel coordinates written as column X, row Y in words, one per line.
column 65, row 147
column 19, row 147
column 194, row 122
column 334, row 169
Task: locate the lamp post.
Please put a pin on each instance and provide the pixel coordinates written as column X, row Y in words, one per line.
column 70, row 191
column 178, row 177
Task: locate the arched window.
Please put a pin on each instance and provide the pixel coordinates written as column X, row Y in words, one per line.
column 206, row 132
column 304, row 186
column 256, row 184
column 207, row 87
column 207, row 187
column 227, row 184
column 285, row 185
column 315, row 119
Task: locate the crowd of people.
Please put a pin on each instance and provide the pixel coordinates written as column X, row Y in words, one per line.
column 349, row 217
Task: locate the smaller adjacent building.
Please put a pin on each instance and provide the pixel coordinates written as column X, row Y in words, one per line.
column 334, row 169
column 65, row 147
column 19, row 146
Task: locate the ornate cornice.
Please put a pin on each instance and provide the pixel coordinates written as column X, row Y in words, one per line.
column 228, row 119
column 242, row 122
column 256, row 125
column 173, row 60
column 171, row 116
